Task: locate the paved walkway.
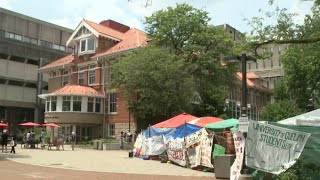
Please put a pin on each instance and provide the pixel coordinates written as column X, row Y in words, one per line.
column 99, row 161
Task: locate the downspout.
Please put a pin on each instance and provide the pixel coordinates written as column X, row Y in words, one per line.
column 104, row 101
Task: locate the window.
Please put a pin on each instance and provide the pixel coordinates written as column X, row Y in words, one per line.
column 66, row 103
column 54, row 103
column 33, row 41
column 257, row 65
column 98, row 105
column 62, row 48
column 249, row 66
column 87, row 45
column 271, row 63
column 91, row 75
column 271, row 51
column 76, row 103
column 280, row 64
column 112, row 103
column 18, row 37
column 48, row 104
column 90, row 104
column 111, row 131
column 65, row 78
column 55, row 46
column 264, row 63
column 279, row 49
column 81, row 75
column 26, row 39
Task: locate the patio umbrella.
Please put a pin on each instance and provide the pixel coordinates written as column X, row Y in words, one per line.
column 3, row 125
column 205, row 120
column 52, row 125
column 29, row 124
column 228, row 123
column 175, row 121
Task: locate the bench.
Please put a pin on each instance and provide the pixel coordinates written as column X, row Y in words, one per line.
column 29, row 144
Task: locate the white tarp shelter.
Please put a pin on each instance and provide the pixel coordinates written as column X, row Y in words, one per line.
column 311, row 118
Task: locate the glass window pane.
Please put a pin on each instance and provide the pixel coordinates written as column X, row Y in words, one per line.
column 83, row 45
column 90, row 44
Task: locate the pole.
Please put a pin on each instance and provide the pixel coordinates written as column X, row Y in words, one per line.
column 244, row 85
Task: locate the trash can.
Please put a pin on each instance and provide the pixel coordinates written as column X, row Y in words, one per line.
column 222, row 164
column 95, row 144
column 130, row 154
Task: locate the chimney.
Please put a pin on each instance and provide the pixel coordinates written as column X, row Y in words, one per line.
column 115, row 25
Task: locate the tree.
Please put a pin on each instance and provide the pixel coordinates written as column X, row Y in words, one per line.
column 155, row 83
column 280, row 110
column 185, row 31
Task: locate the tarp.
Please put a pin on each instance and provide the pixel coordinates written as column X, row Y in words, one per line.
column 311, row 118
column 175, row 121
column 185, row 129
column 312, row 148
column 228, row 123
column 205, row 120
column 152, row 131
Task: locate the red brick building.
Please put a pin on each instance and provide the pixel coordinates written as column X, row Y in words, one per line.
column 79, row 97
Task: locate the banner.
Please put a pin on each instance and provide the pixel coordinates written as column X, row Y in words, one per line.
column 144, row 146
column 273, row 149
column 176, row 151
column 239, row 144
column 194, row 155
column 206, row 148
column 156, row 145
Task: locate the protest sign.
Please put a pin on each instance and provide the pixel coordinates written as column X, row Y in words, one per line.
column 176, row 151
column 273, row 149
column 206, row 148
column 156, row 145
column 239, row 143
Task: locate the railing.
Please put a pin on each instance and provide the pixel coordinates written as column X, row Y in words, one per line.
column 30, row 40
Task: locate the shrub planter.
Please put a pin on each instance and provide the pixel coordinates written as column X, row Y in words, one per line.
column 111, row 146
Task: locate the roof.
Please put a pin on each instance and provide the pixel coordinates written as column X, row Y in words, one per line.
column 62, row 61
column 175, row 121
column 205, row 120
column 105, row 30
column 131, row 39
column 76, row 90
column 250, row 81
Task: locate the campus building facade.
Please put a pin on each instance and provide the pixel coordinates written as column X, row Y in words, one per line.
column 79, row 97
column 25, row 43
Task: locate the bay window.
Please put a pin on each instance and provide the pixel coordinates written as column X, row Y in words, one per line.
column 87, row 45
column 76, row 103
column 66, row 103
column 90, row 104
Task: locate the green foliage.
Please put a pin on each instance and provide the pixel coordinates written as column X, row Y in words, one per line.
column 156, row 81
column 299, row 171
column 280, row 110
column 302, row 77
column 281, row 91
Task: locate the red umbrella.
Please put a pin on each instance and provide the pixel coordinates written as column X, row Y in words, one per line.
column 3, row 125
column 175, row 121
column 29, row 124
column 51, row 125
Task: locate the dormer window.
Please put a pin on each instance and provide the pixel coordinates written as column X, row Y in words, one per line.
column 87, row 45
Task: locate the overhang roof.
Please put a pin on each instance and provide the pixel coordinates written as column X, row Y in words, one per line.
column 59, row 62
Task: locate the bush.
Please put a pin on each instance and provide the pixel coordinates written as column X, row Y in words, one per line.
column 298, row 171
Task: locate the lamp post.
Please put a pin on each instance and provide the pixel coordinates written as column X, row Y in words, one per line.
column 243, row 58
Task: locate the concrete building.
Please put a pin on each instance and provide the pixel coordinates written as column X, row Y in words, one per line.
column 270, row 68
column 80, row 98
column 25, row 43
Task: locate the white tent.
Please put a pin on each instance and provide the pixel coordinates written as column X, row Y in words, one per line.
column 311, row 118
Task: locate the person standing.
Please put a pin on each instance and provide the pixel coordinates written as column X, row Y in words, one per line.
column 42, row 138
column 4, row 142
column 122, row 140
column 73, row 140
column 13, row 144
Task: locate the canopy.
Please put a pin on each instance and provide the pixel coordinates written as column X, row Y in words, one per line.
column 3, row 125
column 185, row 129
column 175, row 121
column 311, row 118
column 153, row 131
column 228, row 123
column 51, row 125
column 29, row 124
column 205, row 120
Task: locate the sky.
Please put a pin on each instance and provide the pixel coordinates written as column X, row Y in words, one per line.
column 69, row 13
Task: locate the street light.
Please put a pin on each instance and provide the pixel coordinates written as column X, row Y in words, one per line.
column 243, row 58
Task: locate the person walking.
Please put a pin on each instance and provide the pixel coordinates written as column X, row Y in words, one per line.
column 73, row 140
column 13, row 145
column 60, row 140
column 4, row 138
column 42, row 138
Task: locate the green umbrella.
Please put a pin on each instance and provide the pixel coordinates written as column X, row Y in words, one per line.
column 228, row 123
